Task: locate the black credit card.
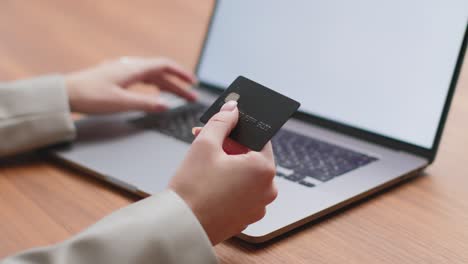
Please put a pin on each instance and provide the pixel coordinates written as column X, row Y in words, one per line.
column 262, row 112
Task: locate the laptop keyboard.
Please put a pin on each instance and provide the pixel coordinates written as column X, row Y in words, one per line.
column 310, row 161
column 299, row 158
column 177, row 122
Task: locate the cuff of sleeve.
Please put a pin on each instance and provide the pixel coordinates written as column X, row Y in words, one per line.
column 34, row 113
column 187, row 240
column 161, row 227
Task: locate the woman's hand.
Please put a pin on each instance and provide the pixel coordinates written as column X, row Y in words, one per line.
column 103, row 89
column 226, row 192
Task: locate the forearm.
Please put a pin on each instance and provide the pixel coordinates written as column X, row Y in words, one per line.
column 34, row 113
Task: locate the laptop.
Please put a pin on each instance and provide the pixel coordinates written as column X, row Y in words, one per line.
column 375, row 80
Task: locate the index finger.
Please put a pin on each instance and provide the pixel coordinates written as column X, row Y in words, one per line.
column 172, row 68
column 266, row 153
column 179, row 72
column 175, row 88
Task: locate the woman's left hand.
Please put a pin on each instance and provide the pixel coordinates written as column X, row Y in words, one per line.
column 103, row 88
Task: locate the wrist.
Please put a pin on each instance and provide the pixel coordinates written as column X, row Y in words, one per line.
column 70, row 87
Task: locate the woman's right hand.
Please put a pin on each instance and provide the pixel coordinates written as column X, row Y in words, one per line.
column 226, row 192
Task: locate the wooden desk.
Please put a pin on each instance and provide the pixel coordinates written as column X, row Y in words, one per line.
column 422, row 221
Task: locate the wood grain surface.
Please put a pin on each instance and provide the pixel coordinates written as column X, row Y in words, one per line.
column 424, row 220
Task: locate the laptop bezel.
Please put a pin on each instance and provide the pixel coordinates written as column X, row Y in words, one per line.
column 366, row 135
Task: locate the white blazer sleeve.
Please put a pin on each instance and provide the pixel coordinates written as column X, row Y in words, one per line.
column 34, row 113
column 158, row 229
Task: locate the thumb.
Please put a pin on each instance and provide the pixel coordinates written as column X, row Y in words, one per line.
column 220, row 125
column 143, row 102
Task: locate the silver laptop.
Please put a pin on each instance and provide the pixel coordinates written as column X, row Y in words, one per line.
column 375, row 80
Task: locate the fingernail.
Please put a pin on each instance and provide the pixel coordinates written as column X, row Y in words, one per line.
column 194, row 129
column 229, row 106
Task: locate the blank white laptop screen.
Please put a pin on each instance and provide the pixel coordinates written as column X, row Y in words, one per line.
column 382, row 66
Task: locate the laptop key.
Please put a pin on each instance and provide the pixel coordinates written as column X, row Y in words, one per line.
column 307, row 184
column 295, row 177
